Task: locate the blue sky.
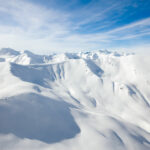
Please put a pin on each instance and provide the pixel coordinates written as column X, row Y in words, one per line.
column 46, row 26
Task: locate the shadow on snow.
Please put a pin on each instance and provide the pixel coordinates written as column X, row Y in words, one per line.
column 37, row 117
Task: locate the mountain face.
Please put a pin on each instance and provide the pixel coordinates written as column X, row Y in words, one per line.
column 74, row 101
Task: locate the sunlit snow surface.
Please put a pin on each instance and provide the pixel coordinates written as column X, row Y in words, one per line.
column 74, row 101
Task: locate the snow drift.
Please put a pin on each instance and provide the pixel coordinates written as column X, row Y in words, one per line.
column 93, row 100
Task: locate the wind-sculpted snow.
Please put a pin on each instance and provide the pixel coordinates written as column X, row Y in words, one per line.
column 85, row 101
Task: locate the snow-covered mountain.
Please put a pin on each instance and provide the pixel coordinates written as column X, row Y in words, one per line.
column 74, row 101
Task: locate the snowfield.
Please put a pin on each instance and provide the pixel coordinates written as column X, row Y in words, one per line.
column 74, row 101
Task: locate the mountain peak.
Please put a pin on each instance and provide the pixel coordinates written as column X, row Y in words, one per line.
column 9, row 51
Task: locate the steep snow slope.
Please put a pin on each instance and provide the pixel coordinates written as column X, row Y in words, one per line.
column 94, row 100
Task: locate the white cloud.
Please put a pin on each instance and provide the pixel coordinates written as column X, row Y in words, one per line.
column 42, row 30
column 140, row 23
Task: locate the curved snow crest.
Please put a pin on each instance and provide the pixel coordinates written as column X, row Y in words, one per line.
column 62, row 101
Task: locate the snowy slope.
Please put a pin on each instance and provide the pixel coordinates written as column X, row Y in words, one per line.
column 93, row 100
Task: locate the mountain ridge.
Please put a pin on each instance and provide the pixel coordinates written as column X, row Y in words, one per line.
column 100, row 95
column 28, row 57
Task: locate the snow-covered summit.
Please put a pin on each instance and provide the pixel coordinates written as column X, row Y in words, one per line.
column 9, row 51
